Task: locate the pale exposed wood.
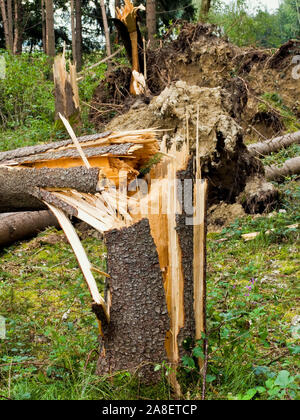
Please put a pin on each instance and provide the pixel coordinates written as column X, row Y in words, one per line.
column 81, row 256
column 200, row 196
column 75, row 140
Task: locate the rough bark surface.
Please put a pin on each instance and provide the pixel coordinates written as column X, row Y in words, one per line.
column 151, row 20
column 274, row 145
column 17, row 226
column 135, row 337
column 186, row 238
column 42, row 148
column 278, row 173
column 113, row 150
column 50, row 37
column 17, row 185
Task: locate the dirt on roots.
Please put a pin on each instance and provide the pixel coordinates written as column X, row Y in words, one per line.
column 244, row 95
column 201, row 57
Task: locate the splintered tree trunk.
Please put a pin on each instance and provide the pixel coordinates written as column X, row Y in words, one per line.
column 155, row 293
column 155, row 306
column 66, row 90
column 151, row 20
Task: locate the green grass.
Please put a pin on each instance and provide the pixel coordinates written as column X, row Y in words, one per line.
column 251, row 337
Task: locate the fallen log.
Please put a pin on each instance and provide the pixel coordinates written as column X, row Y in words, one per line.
column 274, row 145
column 278, row 173
column 18, row 226
column 58, row 165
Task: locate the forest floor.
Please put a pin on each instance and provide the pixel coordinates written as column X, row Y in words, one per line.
column 51, row 344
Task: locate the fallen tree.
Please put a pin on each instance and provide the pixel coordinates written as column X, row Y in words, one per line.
column 278, row 173
column 18, row 226
column 145, row 190
column 274, row 145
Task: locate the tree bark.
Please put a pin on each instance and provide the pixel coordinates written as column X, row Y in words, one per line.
column 204, row 10
column 18, row 30
column 10, row 24
column 278, row 173
column 73, row 30
column 78, row 26
column 5, row 25
column 18, row 226
column 44, row 28
column 50, row 37
column 151, row 20
column 274, row 145
column 106, row 28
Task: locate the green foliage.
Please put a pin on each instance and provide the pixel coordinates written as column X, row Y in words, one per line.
column 245, row 26
column 26, row 92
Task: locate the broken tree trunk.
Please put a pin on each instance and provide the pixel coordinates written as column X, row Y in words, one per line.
column 18, row 226
column 278, row 173
column 127, row 24
column 66, row 90
column 274, row 145
column 23, row 172
column 154, row 300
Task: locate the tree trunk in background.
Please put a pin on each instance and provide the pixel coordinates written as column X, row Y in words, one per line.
column 73, row 30
column 117, row 3
column 10, row 25
column 106, row 28
column 50, row 38
column 78, row 26
column 44, row 26
column 205, row 7
column 18, row 30
column 151, row 20
column 5, row 24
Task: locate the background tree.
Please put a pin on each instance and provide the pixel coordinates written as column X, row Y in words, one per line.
column 12, row 24
column 50, row 37
column 151, row 20
column 106, row 28
column 204, row 10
